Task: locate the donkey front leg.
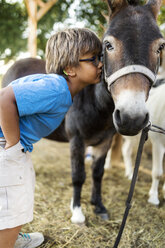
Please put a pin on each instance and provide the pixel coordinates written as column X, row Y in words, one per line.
column 98, row 171
column 78, row 178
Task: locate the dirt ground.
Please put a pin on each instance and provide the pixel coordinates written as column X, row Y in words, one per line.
column 145, row 227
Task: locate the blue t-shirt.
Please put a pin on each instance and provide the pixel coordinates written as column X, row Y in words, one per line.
column 42, row 101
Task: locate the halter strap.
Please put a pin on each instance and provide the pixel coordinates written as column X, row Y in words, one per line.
column 130, row 69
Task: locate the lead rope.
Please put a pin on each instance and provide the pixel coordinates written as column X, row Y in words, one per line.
column 143, row 138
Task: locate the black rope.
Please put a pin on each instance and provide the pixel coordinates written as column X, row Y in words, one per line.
column 157, row 129
column 143, row 138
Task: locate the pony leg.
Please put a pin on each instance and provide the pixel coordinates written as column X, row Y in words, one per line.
column 97, row 174
column 163, row 189
column 114, row 153
column 127, row 150
column 78, row 178
column 89, row 155
column 107, row 164
column 157, row 171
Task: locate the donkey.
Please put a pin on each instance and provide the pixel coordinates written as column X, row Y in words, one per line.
column 131, row 47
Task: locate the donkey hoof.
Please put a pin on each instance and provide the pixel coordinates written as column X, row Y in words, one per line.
column 104, row 216
column 129, row 175
column 102, row 212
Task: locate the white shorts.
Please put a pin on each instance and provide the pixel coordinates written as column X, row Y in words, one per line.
column 17, row 181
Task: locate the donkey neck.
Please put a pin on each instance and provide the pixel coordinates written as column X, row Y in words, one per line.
column 103, row 98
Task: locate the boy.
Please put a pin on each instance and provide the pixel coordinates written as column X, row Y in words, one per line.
column 31, row 108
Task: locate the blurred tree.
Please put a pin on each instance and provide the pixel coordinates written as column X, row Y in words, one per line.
column 96, row 13
column 13, row 20
column 36, row 10
column 14, row 25
column 161, row 18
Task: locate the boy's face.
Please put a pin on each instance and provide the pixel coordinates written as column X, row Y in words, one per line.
column 89, row 69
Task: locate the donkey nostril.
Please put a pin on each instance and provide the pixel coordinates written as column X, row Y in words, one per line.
column 117, row 116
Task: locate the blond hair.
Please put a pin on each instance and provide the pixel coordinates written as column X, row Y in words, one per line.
column 65, row 48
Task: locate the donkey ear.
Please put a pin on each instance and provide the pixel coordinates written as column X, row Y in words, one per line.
column 155, row 6
column 116, row 5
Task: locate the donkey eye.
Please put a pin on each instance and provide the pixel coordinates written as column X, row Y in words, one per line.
column 108, row 46
column 162, row 46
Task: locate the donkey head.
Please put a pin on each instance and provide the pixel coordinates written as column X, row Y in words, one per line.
column 131, row 45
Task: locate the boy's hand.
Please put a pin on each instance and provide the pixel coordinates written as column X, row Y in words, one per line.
column 9, row 119
column 9, row 145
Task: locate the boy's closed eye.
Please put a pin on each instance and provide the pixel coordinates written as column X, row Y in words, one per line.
column 95, row 60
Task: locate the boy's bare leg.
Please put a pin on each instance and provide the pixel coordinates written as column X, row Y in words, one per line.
column 9, row 236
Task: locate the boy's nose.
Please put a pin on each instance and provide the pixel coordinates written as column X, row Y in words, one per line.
column 100, row 64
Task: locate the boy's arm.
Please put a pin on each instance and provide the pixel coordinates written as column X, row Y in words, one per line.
column 9, row 118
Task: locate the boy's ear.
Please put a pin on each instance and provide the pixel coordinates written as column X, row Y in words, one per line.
column 69, row 71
